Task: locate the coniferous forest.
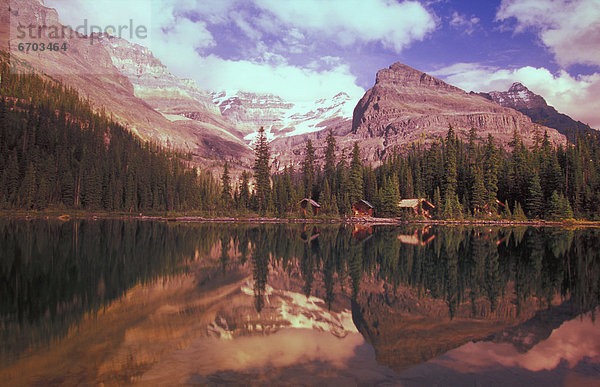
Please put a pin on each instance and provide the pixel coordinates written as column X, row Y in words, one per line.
column 476, row 178
column 56, row 152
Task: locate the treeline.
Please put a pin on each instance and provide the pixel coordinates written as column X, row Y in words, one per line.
column 55, row 151
column 482, row 179
column 463, row 179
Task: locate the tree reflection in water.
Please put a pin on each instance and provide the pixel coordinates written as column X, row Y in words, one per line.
column 53, row 273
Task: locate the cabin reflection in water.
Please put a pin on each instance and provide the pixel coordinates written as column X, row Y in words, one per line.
column 420, row 237
column 362, row 233
column 309, row 236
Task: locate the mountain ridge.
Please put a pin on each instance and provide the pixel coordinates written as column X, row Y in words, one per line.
column 520, row 98
column 407, row 106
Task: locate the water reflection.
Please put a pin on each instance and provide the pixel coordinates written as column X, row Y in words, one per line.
column 270, row 300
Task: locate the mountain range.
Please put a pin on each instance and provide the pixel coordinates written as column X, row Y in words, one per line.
column 404, row 106
column 534, row 106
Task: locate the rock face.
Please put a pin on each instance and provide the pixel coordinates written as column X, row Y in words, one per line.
column 406, row 105
column 130, row 84
column 534, row 106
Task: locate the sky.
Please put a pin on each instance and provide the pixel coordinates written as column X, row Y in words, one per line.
column 304, row 50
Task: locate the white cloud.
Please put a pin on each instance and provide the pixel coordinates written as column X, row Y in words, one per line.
column 292, row 83
column 570, row 29
column 461, row 21
column 578, row 97
column 393, row 24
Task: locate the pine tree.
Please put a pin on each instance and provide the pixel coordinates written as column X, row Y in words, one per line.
column 226, row 186
column 355, row 192
column 327, row 199
column 506, row 212
column 491, row 166
column 478, row 192
column 28, row 188
column 262, row 172
column 535, row 197
column 450, row 173
column 390, row 196
column 518, row 213
column 245, row 190
column 555, row 207
column 329, row 169
column 308, row 169
column 437, row 201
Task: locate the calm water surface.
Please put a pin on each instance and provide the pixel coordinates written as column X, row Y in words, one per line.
column 157, row 303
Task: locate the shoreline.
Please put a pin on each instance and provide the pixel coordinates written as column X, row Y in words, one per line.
column 364, row 221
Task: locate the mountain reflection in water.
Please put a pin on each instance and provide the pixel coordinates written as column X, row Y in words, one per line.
column 118, row 302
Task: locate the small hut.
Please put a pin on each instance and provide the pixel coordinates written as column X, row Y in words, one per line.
column 419, row 206
column 362, row 208
column 307, row 205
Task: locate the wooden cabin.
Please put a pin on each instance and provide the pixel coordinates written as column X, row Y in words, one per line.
column 309, row 206
column 419, row 206
column 362, row 208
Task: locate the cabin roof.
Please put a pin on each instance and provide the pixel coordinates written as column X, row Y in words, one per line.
column 312, row 202
column 413, row 203
column 365, row 202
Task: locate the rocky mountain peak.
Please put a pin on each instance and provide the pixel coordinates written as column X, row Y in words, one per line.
column 520, row 98
column 403, row 75
column 517, row 97
column 407, row 105
column 516, row 87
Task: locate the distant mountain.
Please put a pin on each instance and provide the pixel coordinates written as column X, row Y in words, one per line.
column 281, row 118
column 534, row 106
column 406, row 105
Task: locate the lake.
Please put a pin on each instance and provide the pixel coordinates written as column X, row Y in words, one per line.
column 163, row 303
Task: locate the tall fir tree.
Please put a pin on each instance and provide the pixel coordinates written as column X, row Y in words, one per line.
column 535, row 197
column 226, row 186
column 478, row 192
column 356, row 178
column 262, row 171
column 329, row 169
column 450, row 173
column 308, row 169
column 490, row 174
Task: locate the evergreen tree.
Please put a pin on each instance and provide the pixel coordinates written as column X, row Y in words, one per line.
column 245, row 190
column 355, row 192
column 535, row 197
column 506, row 212
column 390, row 196
column 328, row 203
column 226, row 186
column 329, row 169
column 450, row 173
column 478, row 192
column 28, row 188
column 491, row 166
column 437, row 201
column 262, row 171
column 518, row 213
column 308, row 169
